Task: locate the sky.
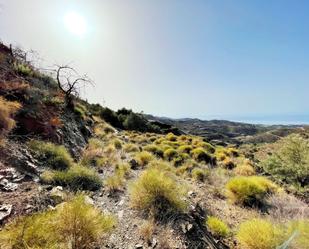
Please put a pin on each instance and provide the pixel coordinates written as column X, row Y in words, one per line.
column 175, row 58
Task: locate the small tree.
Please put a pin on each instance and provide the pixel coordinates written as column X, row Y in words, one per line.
column 70, row 83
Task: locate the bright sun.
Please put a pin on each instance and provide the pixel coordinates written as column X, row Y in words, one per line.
column 75, row 23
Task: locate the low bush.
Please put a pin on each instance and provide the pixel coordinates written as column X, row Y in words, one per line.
column 259, row 234
column 156, row 192
column 232, row 152
column 171, row 137
column 130, row 148
column 73, row 224
column 228, row 163
column 143, row 158
column 161, row 166
column 185, row 149
column 244, row 169
column 76, row 178
column 170, row 153
column 146, row 231
column 7, row 111
column 290, row 161
column 156, row 150
column 117, row 143
column 217, row 227
column 54, row 156
column 249, row 190
column 114, row 183
column 200, row 154
column 200, row 174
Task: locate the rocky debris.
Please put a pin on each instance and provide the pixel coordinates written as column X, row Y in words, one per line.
column 89, row 200
column 9, row 178
column 186, row 227
column 19, row 157
column 194, row 232
column 134, row 164
column 5, row 211
column 74, row 134
column 7, row 186
column 57, row 195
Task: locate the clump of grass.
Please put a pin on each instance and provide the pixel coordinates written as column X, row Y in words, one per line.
column 232, row 152
column 249, row 190
column 23, row 69
column 156, row 150
column 244, row 169
column 154, row 191
column 259, row 234
column 7, row 111
column 76, row 178
column 301, row 227
column 228, row 163
column 171, row 137
column 129, row 147
column 54, row 156
column 200, row 174
column 170, row 153
column 146, row 230
column 200, row 154
column 161, row 165
column 185, row 149
column 74, row 224
column 217, row 227
column 117, row 143
column 114, row 183
column 123, row 169
column 143, row 158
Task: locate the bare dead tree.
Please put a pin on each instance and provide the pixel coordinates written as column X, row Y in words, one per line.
column 71, row 83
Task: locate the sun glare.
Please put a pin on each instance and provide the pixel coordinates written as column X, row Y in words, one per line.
column 75, row 23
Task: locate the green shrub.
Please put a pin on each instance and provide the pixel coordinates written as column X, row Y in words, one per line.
column 200, row 174
column 200, row 154
column 73, row 224
column 54, row 156
column 79, row 112
column 130, row 148
column 114, row 182
column 249, row 190
column 169, row 154
column 156, row 150
column 290, row 163
column 143, row 158
column 161, row 166
column 259, row 234
column 76, row 178
column 185, row 149
column 228, row 163
column 154, row 191
column 23, row 69
column 117, row 143
column 171, row 137
column 244, row 169
column 217, row 227
column 135, row 122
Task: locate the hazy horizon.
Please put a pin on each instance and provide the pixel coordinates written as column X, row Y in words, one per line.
column 229, row 59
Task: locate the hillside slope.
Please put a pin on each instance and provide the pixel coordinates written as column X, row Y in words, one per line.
column 83, row 176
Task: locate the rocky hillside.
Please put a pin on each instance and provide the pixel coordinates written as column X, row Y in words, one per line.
column 227, row 132
column 81, row 176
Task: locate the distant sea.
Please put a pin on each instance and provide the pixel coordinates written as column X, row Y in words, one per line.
column 265, row 119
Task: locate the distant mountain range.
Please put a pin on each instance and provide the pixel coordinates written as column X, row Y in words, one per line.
column 224, row 131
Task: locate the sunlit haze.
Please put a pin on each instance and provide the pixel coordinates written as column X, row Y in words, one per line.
column 75, row 23
column 176, row 58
